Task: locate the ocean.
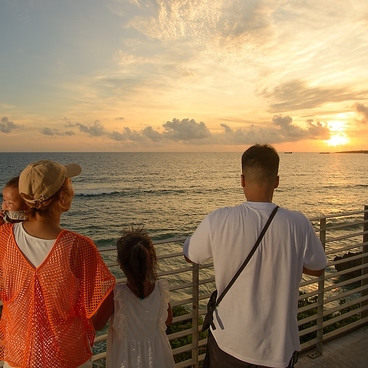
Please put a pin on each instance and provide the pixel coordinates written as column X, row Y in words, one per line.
column 170, row 193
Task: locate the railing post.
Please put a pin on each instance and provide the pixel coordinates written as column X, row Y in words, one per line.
column 321, row 287
column 195, row 318
column 364, row 281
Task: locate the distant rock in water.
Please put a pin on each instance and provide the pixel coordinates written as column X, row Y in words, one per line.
column 360, row 151
column 349, row 264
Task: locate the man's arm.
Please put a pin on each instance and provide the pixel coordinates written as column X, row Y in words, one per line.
column 197, row 248
column 185, row 250
column 315, row 256
column 313, row 272
column 187, row 259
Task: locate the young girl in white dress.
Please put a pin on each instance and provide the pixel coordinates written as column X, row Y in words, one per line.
column 140, row 310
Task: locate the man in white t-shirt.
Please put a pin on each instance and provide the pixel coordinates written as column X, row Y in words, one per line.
column 256, row 322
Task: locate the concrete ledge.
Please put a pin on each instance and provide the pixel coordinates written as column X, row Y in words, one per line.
column 350, row 351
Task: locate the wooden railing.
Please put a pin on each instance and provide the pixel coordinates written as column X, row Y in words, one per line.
column 329, row 306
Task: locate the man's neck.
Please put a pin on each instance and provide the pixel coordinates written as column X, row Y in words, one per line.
column 259, row 196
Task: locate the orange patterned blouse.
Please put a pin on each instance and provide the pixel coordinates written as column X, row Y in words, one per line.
column 46, row 316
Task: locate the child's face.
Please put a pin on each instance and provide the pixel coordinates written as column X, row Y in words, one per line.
column 12, row 201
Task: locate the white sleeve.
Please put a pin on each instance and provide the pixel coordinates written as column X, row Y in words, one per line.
column 198, row 247
column 314, row 254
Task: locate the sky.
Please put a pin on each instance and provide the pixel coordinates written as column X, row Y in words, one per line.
column 183, row 75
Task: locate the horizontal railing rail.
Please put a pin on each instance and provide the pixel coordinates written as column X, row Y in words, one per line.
column 330, row 305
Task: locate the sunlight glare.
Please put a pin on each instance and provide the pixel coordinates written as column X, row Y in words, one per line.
column 337, row 126
column 337, row 139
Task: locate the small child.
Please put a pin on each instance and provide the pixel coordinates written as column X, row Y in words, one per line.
column 140, row 309
column 13, row 207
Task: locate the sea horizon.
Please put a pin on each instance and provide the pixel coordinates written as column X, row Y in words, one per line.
column 185, row 151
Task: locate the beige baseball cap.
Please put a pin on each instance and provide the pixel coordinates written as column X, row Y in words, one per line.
column 42, row 179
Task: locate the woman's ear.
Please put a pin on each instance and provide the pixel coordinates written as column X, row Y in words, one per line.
column 62, row 196
column 64, row 200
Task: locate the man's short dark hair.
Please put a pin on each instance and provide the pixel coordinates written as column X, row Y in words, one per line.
column 260, row 163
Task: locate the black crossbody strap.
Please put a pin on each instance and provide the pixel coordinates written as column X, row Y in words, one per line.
column 248, row 257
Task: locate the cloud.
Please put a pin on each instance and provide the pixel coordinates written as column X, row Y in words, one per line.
column 48, row 131
column 95, row 130
column 132, row 135
column 363, row 110
column 124, row 58
column 116, row 136
column 7, row 126
column 188, row 131
column 318, row 130
column 56, row 132
column 248, row 135
column 296, row 95
column 226, row 30
column 289, row 131
column 280, row 129
column 129, row 135
column 152, row 134
column 185, row 130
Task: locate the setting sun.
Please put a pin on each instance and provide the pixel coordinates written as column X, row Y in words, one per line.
column 337, row 140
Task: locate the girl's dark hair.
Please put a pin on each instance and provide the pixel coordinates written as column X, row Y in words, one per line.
column 137, row 258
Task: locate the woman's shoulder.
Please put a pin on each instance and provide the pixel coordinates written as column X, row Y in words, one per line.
column 6, row 229
column 6, row 226
column 5, row 232
column 66, row 234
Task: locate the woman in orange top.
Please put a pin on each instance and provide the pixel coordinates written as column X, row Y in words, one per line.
column 52, row 281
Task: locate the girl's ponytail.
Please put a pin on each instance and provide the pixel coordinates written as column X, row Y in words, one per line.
column 137, row 258
column 139, row 267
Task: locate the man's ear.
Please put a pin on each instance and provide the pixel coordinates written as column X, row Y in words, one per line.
column 277, row 182
column 242, row 178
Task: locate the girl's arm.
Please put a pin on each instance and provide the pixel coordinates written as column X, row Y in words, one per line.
column 103, row 313
column 169, row 316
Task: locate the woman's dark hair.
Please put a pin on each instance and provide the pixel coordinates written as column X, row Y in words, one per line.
column 137, row 258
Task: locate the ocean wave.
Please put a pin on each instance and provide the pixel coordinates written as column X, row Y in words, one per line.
column 97, row 192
